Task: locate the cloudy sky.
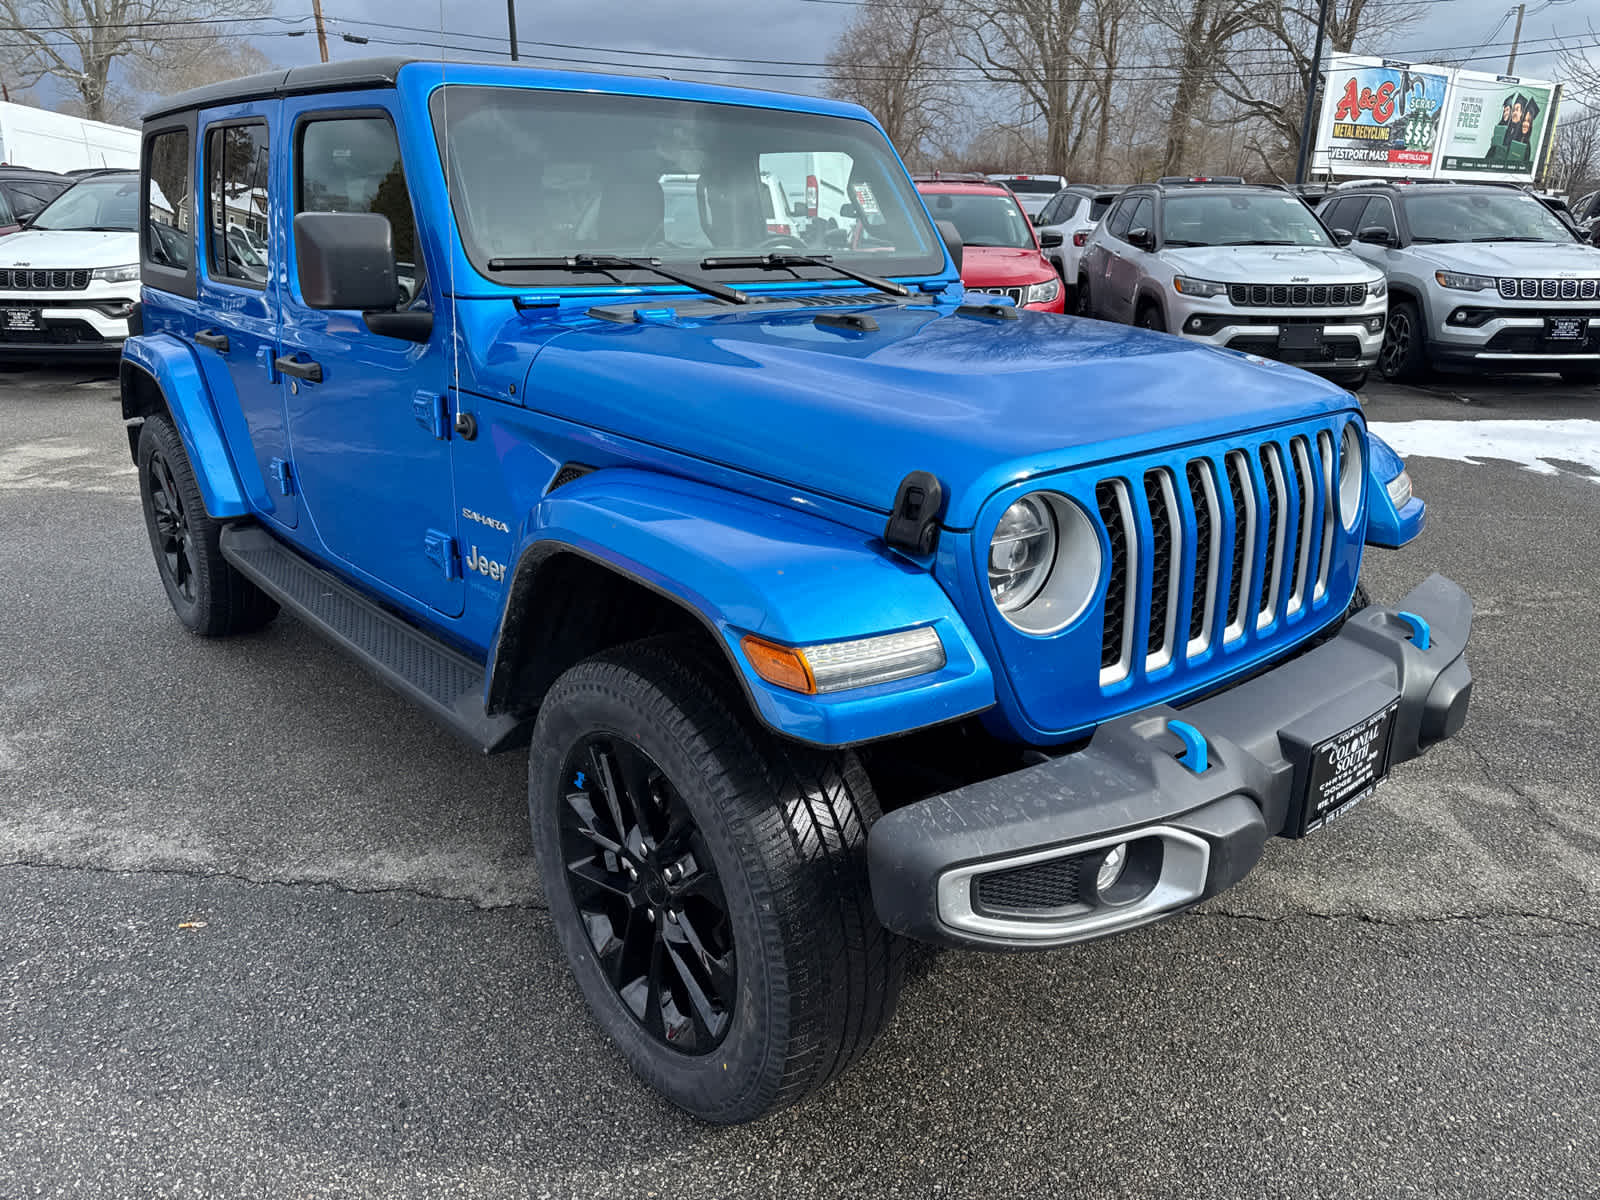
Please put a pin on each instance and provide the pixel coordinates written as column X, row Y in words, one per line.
column 793, row 31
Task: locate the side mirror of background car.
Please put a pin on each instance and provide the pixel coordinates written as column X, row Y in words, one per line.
column 848, row 211
column 952, row 241
column 346, row 260
column 1343, row 237
column 1050, row 239
column 1375, row 235
column 1143, row 239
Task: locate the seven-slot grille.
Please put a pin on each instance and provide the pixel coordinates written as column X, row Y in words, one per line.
column 1276, row 501
column 1014, row 292
column 1549, row 289
column 1298, row 295
column 20, row 279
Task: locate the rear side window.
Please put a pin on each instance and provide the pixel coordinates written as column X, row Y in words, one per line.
column 237, row 202
column 352, row 164
column 167, row 202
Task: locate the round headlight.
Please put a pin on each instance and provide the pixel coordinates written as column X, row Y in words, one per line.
column 1352, row 467
column 1044, row 563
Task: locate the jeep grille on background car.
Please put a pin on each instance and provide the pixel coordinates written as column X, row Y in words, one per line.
column 1300, row 295
column 1549, row 289
column 1014, row 292
column 20, row 280
column 1287, row 483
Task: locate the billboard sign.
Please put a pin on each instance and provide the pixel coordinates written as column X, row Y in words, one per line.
column 1497, row 127
column 1380, row 117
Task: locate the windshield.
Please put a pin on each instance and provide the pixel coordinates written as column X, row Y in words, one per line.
column 983, row 218
column 103, row 204
column 538, row 174
column 1245, row 219
column 1034, row 187
column 1482, row 217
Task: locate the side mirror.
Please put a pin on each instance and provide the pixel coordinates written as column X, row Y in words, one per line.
column 1142, row 239
column 849, row 210
column 346, row 260
column 952, row 241
column 1343, row 237
column 1375, row 235
column 1050, row 239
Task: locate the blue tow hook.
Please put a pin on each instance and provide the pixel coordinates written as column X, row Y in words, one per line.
column 1419, row 629
column 1194, row 746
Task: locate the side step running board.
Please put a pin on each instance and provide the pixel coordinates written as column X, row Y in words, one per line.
column 445, row 682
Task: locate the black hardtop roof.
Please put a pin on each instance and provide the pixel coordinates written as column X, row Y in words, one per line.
column 318, row 77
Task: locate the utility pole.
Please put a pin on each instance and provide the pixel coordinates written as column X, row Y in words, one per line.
column 322, row 33
column 1511, row 63
column 1311, row 95
column 511, row 25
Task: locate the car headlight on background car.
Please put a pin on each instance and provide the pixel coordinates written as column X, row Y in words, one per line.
column 125, row 274
column 1378, row 287
column 1352, row 467
column 1043, row 292
column 1044, row 562
column 1465, row 283
column 1199, row 289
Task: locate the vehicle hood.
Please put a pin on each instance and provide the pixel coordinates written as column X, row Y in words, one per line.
column 977, row 401
column 1269, row 264
column 68, row 249
column 1002, row 266
column 1543, row 259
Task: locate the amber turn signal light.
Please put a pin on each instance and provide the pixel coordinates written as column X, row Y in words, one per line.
column 779, row 665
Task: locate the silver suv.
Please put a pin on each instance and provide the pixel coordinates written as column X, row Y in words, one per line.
column 1482, row 277
column 1236, row 265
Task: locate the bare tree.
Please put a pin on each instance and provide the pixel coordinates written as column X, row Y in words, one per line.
column 893, row 59
column 79, row 42
column 1575, row 158
column 1203, row 31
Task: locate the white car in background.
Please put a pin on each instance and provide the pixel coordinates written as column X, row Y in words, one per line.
column 68, row 282
column 1073, row 212
column 1033, row 192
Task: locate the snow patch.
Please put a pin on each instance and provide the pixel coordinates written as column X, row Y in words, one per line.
column 1529, row 443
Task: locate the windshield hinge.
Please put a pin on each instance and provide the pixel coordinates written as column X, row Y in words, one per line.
column 914, row 521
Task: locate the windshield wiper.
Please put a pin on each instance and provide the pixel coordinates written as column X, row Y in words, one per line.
column 777, row 262
column 1511, row 238
column 1181, row 242
column 1434, row 241
column 1256, row 242
column 614, row 262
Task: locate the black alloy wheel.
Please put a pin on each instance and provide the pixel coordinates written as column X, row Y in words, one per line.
column 174, row 539
column 647, row 894
column 1400, row 358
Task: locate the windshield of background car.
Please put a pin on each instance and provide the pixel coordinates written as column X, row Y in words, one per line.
column 109, row 205
column 982, row 218
column 1034, row 187
column 538, row 174
column 1242, row 219
column 1482, row 217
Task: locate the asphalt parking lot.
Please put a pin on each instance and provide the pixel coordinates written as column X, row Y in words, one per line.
column 267, row 931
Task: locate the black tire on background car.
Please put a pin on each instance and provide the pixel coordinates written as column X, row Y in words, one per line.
column 707, row 883
column 1354, row 381
column 1150, row 317
column 1581, row 376
column 210, row 597
column 1402, row 356
column 1085, row 302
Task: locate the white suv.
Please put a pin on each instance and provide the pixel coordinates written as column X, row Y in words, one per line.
column 1033, row 192
column 1073, row 212
column 1235, row 265
column 69, row 281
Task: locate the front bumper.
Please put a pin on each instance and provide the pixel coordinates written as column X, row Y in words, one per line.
column 1349, row 341
column 1506, row 338
column 1034, row 838
column 76, row 324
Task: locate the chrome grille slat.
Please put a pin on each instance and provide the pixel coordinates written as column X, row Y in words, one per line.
column 1242, row 492
column 1548, row 289
column 1116, row 642
column 1166, row 558
column 1316, row 295
column 1330, row 505
column 1207, row 554
column 1272, row 569
column 17, row 280
column 1300, row 451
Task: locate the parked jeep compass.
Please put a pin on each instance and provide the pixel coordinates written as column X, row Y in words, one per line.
column 838, row 605
column 1483, row 277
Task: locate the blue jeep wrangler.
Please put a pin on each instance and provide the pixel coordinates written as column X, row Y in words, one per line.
column 840, row 608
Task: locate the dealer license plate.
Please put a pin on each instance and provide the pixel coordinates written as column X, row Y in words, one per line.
column 20, row 320
column 1299, row 337
column 1346, row 767
column 1566, row 329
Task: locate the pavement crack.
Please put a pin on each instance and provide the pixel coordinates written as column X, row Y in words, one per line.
column 1566, row 925
column 1491, row 777
column 331, row 885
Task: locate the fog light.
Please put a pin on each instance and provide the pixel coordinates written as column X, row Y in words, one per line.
column 1375, row 324
column 1111, row 868
column 1196, row 324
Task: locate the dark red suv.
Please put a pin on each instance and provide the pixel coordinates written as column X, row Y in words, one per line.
column 1001, row 250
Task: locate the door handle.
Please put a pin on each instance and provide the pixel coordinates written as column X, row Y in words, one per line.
column 299, row 368
column 210, row 337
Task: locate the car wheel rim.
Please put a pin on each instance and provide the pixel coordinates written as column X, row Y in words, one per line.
column 647, row 894
column 174, row 540
column 1396, row 343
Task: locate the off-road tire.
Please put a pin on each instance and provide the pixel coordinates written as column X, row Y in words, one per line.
column 1403, row 356
column 210, row 597
column 785, row 827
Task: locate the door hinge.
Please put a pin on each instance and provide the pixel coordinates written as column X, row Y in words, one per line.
column 432, row 413
column 441, row 551
column 283, row 474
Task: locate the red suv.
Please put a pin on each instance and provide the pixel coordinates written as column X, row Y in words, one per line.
column 1001, row 250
